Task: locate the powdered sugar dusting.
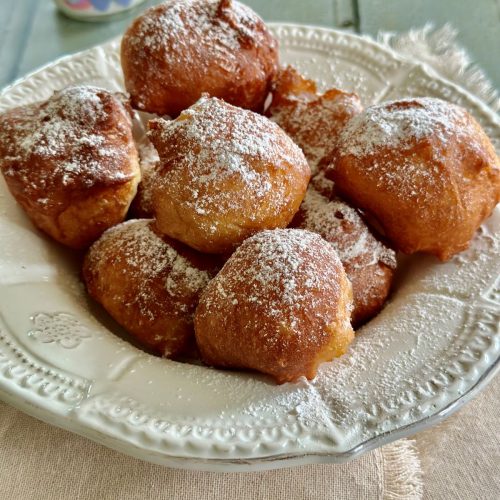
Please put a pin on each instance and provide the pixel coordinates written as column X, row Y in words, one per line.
column 218, row 144
column 346, row 231
column 178, row 22
column 314, row 124
column 148, row 156
column 147, row 257
column 388, row 385
column 406, row 146
column 143, row 202
column 286, row 273
column 301, row 402
column 197, row 32
column 322, row 184
column 69, row 135
column 400, row 124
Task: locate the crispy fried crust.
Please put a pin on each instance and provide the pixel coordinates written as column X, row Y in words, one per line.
column 148, row 284
column 368, row 263
column 280, row 305
column 225, row 173
column 311, row 119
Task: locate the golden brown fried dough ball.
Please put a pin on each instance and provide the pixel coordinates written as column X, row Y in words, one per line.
column 312, row 120
column 280, row 305
column 423, row 168
column 71, row 163
column 225, row 173
column 369, row 264
column 178, row 50
column 148, row 284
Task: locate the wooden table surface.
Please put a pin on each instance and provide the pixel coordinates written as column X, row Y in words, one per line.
column 33, row 33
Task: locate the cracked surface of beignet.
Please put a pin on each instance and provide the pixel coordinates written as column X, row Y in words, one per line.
column 311, row 119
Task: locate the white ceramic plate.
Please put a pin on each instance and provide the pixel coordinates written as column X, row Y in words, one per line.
column 433, row 347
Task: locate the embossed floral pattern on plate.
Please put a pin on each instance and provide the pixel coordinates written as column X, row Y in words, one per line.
column 61, row 328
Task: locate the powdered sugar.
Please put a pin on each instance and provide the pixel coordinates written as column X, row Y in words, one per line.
column 286, row 273
column 202, row 31
column 178, row 22
column 66, row 136
column 400, row 124
column 314, row 123
column 322, row 184
column 407, row 148
column 148, row 155
column 61, row 120
column 142, row 206
column 304, row 403
column 343, row 227
column 388, row 385
column 147, row 257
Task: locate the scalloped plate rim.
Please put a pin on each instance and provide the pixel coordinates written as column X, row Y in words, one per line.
column 263, row 463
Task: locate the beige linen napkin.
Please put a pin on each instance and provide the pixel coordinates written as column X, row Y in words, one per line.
column 461, row 457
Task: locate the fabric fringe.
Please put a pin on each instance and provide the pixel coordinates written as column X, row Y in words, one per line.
column 403, row 477
column 438, row 48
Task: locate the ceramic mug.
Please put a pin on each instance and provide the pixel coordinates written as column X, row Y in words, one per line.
column 95, row 10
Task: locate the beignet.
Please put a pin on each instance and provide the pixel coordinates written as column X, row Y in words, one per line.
column 423, row 168
column 148, row 284
column 176, row 51
column 225, row 173
column 311, row 119
column 71, row 162
column 280, row 305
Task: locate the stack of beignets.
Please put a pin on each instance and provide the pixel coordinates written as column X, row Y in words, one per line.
column 315, row 122
column 71, row 162
column 222, row 179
